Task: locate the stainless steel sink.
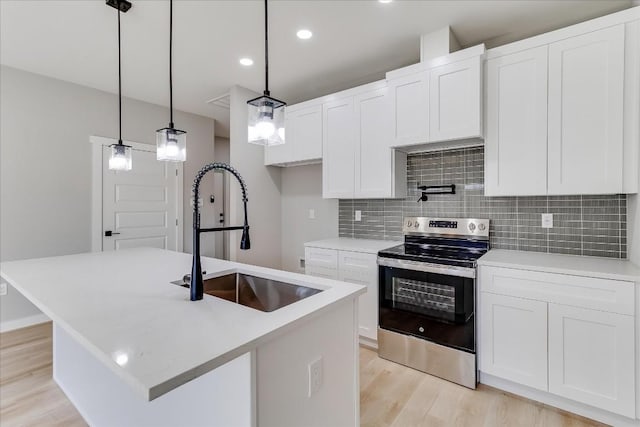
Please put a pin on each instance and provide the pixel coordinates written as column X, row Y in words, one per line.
column 251, row 291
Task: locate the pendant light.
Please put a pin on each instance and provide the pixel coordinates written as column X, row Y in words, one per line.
column 171, row 142
column 266, row 114
column 120, row 158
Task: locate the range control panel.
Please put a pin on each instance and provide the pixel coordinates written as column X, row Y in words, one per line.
column 444, row 226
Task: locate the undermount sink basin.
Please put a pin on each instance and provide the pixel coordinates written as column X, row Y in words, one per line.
column 254, row 292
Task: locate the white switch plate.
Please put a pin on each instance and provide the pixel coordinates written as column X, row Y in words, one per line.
column 358, row 216
column 315, row 376
column 312, row 214
column 547, row 220
column 3, row 288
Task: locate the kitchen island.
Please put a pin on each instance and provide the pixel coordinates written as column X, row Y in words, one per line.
column 130, row 348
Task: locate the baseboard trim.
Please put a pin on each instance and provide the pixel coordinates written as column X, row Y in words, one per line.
column 23, row 322
column 558, row 402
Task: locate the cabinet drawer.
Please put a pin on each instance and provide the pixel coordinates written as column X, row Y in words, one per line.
column 320, row 257
column 356, row 261
column 599, row 294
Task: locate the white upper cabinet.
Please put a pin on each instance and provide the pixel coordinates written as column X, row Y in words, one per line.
column 516, row 127
column 303, row 137
column 375, row 160
column 338, row 148
column 357, row 160
column 562, row 112
column 438, row 100
column 409, row 98
column 586, row 89
column 455, row 100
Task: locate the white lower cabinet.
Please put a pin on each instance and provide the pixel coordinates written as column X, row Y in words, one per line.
column 513, row 333
column 591, row 358
column 353, row 267
column 569, row 336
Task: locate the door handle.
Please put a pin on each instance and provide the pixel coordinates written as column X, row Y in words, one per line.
column 109, row 233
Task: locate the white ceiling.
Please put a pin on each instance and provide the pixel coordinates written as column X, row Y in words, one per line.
column 354, row 42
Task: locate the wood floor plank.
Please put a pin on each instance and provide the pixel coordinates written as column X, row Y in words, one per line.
column 391, row 395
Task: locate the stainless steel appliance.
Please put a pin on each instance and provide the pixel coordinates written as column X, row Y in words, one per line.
column 427, row 297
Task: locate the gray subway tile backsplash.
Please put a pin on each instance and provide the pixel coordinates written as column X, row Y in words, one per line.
column 582, row 225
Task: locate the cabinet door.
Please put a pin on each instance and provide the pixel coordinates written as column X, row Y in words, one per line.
column 305, row 128
column 373, row 159
column 592, row 357
column 513, row 339
column 283, row 153
column 455, row 101
column 338, row 149
column 516, row 133
column 362, row 269
column 586, row 78
column 409, row 97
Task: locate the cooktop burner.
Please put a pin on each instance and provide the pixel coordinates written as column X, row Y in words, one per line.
column 458, row 242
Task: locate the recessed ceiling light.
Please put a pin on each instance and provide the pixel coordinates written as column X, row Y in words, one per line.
column 304, row 34
column 385, row 1
column 247, row 62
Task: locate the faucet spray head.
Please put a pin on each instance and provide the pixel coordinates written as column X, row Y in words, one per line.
column 245, row 241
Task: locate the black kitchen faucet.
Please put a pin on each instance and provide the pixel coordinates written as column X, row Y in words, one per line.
column 197, row 288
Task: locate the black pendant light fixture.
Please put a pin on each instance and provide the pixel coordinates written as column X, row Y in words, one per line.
column 171, row 142
column 120, row 158
column 266, row 114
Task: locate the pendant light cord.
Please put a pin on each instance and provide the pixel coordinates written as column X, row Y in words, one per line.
column 266, row 48
column 171, row 64
column 119, row 81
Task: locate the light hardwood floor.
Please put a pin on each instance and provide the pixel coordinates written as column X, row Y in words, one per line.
column 390, row 394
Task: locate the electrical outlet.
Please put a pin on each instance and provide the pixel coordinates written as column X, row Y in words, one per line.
column 312, row 214
column 315, row 376
column 3, row 288
column 358, row 216
column 547, row 220
column 301, row 263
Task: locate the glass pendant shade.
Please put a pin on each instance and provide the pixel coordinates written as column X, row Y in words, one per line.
column 266, row 121
column 120, row 158
column 171, row 144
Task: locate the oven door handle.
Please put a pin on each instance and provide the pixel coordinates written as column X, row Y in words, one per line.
column 449, row 270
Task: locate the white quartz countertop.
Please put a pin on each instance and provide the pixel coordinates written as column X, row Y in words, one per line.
column 369, row 246
column 121, row 307
column 606, row 268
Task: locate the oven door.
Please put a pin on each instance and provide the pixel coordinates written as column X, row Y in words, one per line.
column 436, row 304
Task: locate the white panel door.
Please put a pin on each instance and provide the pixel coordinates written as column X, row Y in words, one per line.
column 306, row 128
column 586, row 79
column 513, row 339
column 139, row 207
column 409, row 97
column 338, row 148
column 455, row 101
column 362, row 269
column 516, row 128
column 592, row 358
column 374, row 174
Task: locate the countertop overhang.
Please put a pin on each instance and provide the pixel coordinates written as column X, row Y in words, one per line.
column 121, row 307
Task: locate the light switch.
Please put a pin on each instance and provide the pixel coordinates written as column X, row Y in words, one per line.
column 312, row 214
column 358, row 216
column 547, row 220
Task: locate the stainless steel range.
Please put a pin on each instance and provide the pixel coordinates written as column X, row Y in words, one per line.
column 427, row 297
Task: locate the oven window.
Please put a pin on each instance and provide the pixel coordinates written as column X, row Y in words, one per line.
column 440, row 296
column 422, row 296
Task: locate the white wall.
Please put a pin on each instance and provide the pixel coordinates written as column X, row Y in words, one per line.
column 302, row 190
column 263, row 185
column 45, row 164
